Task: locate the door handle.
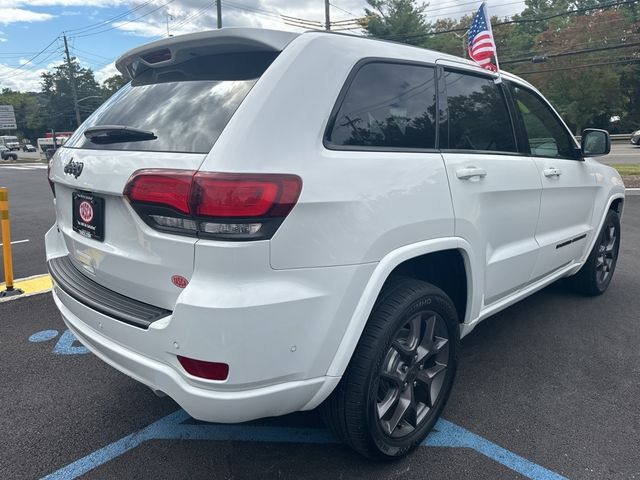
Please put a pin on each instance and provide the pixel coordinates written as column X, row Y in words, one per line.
column 552, row 172
column 468, row 173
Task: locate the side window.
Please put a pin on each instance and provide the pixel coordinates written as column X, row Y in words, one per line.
column 387, row 105
column 478, row 115
column 546, row 136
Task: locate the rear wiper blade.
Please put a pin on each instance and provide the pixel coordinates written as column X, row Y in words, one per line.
column 102, row 134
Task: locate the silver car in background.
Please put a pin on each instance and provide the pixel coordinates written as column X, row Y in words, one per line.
column 635, row 137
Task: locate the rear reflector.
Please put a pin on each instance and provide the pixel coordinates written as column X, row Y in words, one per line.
column 202, row 369
column 225, row 206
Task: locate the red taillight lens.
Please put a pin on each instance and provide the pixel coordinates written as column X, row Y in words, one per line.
column 202, row 369
column 161, row 187
column 224, row 195
column 214, row 205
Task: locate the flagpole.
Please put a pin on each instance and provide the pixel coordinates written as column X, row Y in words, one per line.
column 486, row 15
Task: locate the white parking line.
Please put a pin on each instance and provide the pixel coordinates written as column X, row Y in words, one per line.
column 17, row 241
column 25, row 166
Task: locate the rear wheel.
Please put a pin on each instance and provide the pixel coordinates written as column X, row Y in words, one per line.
column 401, row 372
column 596, row 274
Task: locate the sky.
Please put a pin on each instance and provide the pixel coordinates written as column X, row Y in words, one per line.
column 99, row 31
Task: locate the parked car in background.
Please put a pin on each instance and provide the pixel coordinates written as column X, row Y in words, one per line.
column 635, row 137
column 7, row 154
column 264, row 222
column 10, row 141
column 27, row 147
column 46, row 147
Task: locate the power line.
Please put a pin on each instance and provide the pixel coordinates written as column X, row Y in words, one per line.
column 18, row 69
column 342, row 10
column 95, row 55
column 110, row 20
column 628, row 61
column 125, row 23
column 575, row 52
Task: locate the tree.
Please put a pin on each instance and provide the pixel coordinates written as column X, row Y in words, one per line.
column 401, row 20
column 56, row 89
column 454, row 43
column 27, row 111
column 587, row 97
column 112, row 84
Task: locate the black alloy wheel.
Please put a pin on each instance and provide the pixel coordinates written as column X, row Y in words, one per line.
column 401, row 372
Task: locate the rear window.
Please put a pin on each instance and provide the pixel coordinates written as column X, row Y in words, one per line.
column 186, row 106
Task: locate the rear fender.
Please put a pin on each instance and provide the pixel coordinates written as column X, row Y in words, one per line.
column 381, row 273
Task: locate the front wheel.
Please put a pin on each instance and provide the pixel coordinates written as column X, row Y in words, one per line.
column 595, row 275
column 401, row 372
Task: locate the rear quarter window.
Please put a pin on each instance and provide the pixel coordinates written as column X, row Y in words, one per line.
column 386, row 106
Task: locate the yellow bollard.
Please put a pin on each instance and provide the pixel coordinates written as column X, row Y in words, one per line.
column 6, row 245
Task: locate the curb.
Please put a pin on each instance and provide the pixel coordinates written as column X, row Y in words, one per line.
column 33, row 285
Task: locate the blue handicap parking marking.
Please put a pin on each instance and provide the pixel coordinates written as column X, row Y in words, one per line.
column 65, row 344
column 43, row 336
column 173, row 427
column 447, row 434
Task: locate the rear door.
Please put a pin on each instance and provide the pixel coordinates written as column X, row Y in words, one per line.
column 568, row 185
column 185, row 107
column 495, row 190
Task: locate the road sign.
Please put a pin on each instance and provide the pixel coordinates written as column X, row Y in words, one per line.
column 7, row 118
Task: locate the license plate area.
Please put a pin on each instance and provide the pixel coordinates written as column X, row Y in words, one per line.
column 88, row 215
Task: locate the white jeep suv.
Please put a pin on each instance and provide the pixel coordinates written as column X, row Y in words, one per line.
column 263, row 222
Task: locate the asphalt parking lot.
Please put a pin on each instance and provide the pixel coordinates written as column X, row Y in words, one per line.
column 546, row 389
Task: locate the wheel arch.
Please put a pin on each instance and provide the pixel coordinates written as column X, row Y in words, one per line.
column 615, row 202
column 398, row 262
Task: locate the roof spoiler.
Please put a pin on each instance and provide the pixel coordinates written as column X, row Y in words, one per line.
column 175, row 50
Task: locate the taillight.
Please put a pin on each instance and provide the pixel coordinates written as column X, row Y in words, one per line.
column 158, row 188
column 229, row 206
column 51, row 184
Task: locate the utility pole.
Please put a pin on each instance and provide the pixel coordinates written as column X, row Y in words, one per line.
column 72, row 80
column 169, row 17
column 219, row 12
column 327, row 19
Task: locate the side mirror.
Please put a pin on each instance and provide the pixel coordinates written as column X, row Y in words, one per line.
column 595, row 143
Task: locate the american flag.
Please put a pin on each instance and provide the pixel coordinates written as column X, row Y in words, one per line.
column 481, row 44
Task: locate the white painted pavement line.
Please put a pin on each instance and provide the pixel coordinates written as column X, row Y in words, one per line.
column 24, row 167
column 17, row 241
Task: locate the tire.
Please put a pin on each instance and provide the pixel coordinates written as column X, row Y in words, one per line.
column 386, row 403
column 595, row 275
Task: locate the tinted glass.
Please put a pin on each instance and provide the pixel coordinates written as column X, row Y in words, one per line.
column 389, row 106
column 186, row 106
column 546, row 135
column 478, row 115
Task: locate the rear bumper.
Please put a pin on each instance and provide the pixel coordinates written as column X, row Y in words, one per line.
column 277, row 330
column 201, row 403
